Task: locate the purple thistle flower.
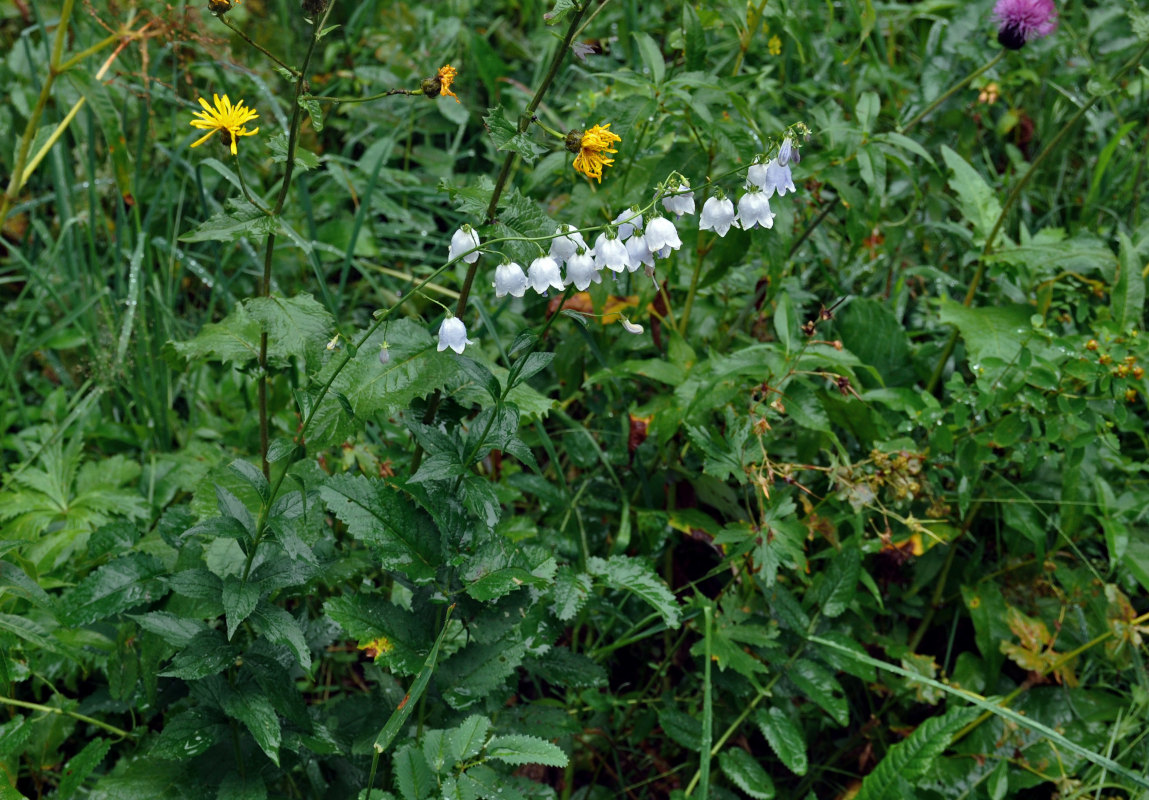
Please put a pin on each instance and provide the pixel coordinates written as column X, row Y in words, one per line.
column 1021, row 21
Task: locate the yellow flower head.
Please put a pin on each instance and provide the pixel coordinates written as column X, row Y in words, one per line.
column 591, row 147
column 226, row 118
column 446, row 77
column 774, row 45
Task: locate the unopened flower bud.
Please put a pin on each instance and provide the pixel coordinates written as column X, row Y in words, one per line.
column 313, row 8
column 219, row 7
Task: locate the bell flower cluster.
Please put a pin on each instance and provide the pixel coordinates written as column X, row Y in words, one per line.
column 633, row 240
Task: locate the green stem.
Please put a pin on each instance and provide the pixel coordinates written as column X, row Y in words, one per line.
column 65, row 713
column 388, row 93
column 17, row 179
column 951, row 91
column 753, row 23
column 294, row 72
column 1010, row 200
column 246, row 193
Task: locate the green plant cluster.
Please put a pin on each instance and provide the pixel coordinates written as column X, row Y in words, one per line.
column 858, row 510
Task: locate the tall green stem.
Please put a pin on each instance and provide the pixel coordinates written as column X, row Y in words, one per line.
column 269, row 250
column 1010, row 201
column 925, row 112
column 17, row 179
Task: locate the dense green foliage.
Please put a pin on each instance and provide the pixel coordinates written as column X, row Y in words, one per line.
column 860, row 512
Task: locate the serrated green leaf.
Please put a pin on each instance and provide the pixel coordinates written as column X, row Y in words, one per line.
column 570, row 593
column 991, row 331
column 248, row 705
column 113, row 588
column 277, row 146
column 280, row 627
column 469, row 738
column 188, row 734
column 81, row 765
column 241, row 220
column 208, row 653
column 506, row 136
column 746, row 773
column 840, row 580
column 979, row 203
column 681, row 727
column 402, row 534
column 517, row 749
column 482, row 781
column 174, row 630
column 413, row 775
column 13, row 736
column 785, row 738
column 818, row 684
column 625, row 573
column 560, row 9
column 239, row 599
column 369, row 617
column 561, row 667
column 470, row 675
column 912, row 758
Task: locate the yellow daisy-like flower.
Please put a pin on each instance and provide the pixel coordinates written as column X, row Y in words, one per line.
column 225, row 118
column 591, row 148
column 446, row 77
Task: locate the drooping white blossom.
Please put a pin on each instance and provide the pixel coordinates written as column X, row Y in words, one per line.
column 628, row 223
column 581, row 271
column 660, row 235
column 717, row 215
column 610, row 253
column 510, row 279
column 567, row 243
column 453, row 334
column 639, row 254
column 544, row 274
column 754, row 209
column 464, row 240
column 778, row 176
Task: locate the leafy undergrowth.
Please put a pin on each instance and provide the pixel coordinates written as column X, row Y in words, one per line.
column 838, row 491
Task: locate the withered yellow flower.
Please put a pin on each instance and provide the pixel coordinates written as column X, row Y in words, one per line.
column 591, row 148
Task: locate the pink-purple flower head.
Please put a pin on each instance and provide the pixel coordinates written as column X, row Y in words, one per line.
column 1021, row 21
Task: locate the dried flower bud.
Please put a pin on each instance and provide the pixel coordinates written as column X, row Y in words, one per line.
column 219, row 7
column 314, row 8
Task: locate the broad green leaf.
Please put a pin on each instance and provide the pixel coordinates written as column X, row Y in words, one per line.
column 681, row 727
column 651, row 56
column 239, row 599
column 242, row 220
column 482, row 781
column 746, row 773
column 412, row 774
column 114, row 587
column 558, row 11
column 15, row 581
column 296, row 327
column 81, row 765
column 870, row 331
column 1129, row 292
column 174, row 630
column 638, row 578
column 13, row 735
column 785, row 323
column 570, row 593
column 979, row 203
column 819, row 684
column 518, row 749
column 402, row 534
column 477, row 670
column 280, row 627
column 1049, row 252
column 991, row 331
column 785, row 738
column 912, row 758
column 248, row 705
column 188, row 734
column 506, row 137
column 469, row 738
column 561, row 667
column 208, row 653
column 840, row 580
column 399, row 635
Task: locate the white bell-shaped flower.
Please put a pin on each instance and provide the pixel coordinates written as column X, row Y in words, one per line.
column 628, row 223
column 757, row 176
column 453, row 334
column 510, row 279
column 778, row 176
column 661, row 234
column 581, row 271
column 681, row 202
column 610, row 253
column 464, row 241
column 717, row 215
column 567, row 243
column 638, row 254
column 754, row 209
column 543, row 274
